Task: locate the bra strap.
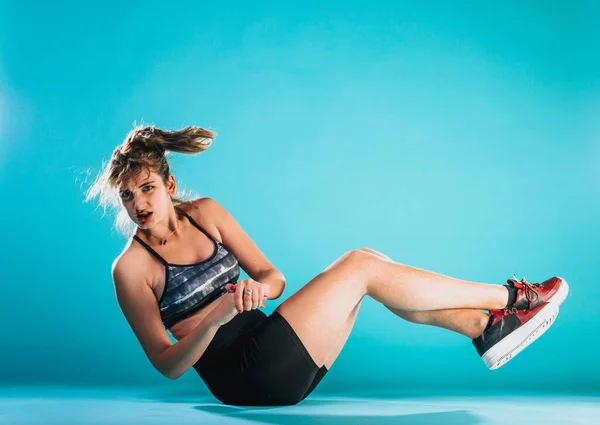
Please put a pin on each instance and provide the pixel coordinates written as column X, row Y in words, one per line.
column 150, row 250
column 197, row 226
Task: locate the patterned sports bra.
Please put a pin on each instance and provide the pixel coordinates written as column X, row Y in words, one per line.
column 190, row 287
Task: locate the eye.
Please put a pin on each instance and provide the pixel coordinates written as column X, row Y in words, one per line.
column 126, row 195
column 147, row 187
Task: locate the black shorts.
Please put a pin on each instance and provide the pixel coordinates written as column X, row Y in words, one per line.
column 255, row 360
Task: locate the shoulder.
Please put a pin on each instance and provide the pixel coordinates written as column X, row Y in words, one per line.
column 122, row 265
column 130, row 264
column 205, row 209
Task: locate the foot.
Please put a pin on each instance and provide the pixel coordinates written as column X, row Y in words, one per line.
column 510, row 331
column 530, row 295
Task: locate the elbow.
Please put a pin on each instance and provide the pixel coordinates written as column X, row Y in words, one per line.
column 281, row 286
column 169, row 374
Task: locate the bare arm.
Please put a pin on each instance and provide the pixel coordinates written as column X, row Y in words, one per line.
column 138, row 303
column 181, row 356
column 249, row 256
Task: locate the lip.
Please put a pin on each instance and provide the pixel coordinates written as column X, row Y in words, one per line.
column 144, row 219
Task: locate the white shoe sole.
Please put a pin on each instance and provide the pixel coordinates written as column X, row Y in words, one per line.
column 520, row 338
column 561, row 294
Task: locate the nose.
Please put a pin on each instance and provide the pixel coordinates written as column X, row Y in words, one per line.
column 139, row 201
column 139, row 205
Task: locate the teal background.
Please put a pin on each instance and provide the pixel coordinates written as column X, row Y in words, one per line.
column 459, row 137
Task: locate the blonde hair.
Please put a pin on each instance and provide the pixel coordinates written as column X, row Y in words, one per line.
column 145, row 148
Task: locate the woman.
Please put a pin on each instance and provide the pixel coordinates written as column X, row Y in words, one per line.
column 181, row 268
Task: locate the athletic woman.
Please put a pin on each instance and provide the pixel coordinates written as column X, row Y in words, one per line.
column 180, row 272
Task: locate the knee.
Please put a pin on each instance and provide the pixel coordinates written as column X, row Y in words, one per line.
column 366, row 253
column 357, row 254
column 361, row 258
column 375, row 253
column 355, row 260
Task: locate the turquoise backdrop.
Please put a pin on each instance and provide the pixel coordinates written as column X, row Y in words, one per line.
column 459, row 137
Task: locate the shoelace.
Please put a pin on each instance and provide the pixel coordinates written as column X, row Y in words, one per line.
column 505, row 312
column 529, row 288
column 529, row 293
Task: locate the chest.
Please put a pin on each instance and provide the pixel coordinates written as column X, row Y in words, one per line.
column 190, row 248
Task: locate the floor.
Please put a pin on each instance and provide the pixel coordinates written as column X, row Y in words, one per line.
column 102, row 406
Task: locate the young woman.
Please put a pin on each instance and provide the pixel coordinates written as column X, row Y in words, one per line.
column 180, row 271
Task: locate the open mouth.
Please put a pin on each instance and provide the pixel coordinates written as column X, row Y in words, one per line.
column 144, row 217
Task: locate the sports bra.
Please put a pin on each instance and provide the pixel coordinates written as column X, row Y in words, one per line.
column 190, row 287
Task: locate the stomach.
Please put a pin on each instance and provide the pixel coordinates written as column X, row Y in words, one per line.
column 181, row 329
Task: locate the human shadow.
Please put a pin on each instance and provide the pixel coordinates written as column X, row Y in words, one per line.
column 311, row 411
column 277, row 416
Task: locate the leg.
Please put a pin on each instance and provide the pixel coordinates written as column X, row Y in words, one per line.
column 320, row 311
column 407, row 288
column 468, row 322
column 340, row 340
column 323, row 311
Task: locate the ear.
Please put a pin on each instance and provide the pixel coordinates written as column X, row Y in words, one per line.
column 171, row 185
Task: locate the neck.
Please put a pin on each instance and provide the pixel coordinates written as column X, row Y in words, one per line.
column 165, row 228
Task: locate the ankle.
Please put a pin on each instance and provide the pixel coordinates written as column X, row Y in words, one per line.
column 512, row 296
column 480, row 325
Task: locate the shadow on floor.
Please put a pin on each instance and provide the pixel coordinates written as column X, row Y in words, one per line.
column 447, row 418
column 275, row 414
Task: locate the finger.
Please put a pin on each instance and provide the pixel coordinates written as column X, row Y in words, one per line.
column 262, row 296
column 248, row 298
column 231, row 302
column 259, row 297
column 256, row 297
column 230, row 287
column 239, row 302
column 265, row 294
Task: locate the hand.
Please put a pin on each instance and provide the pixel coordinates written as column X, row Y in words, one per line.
column 231, row 303
column 259, row 292
column 224, row 311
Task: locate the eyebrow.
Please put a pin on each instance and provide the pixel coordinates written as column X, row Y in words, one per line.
column 144, row 184
column 140, row 186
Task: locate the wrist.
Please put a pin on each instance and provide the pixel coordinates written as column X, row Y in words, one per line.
column 275, row 280
column 211, row 323
column 214, row 325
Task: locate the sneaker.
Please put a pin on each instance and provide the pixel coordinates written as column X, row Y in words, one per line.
column 509, row 331
column 530, row 295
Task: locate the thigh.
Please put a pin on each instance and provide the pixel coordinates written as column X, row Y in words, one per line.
column 338, row 343
column 275, row 367
column 319, row 312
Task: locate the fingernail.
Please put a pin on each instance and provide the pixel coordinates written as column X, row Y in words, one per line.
column 240, row 311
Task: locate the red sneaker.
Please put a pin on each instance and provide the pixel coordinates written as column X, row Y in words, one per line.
column 530, row 295
column 510, row 331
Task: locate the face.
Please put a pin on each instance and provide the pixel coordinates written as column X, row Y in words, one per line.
column 147, row 198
